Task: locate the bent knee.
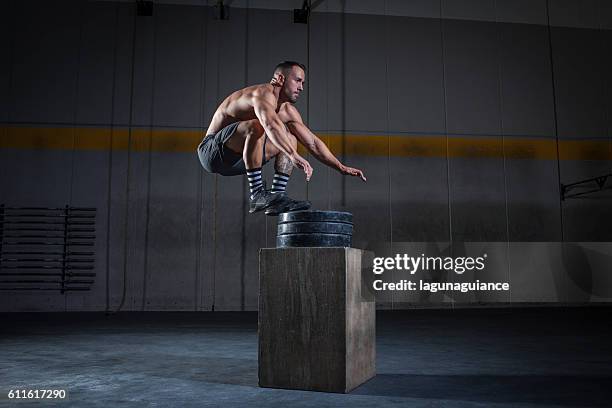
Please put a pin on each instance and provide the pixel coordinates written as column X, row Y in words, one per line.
column 253, row 128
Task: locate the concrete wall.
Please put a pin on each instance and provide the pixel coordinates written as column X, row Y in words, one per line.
column 465, row 116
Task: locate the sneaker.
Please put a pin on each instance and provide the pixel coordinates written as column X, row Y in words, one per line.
column 262, row 199
column 286, row 204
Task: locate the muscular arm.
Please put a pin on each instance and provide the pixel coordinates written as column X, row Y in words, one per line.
column 276, row 131
column 316, row 146
column 273, row 125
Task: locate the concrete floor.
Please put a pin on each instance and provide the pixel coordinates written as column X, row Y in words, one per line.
column 447, row 358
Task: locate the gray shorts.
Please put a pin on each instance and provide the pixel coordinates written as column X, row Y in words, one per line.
column 215, row 157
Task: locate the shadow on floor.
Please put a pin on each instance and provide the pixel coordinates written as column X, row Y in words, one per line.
column 564, row 390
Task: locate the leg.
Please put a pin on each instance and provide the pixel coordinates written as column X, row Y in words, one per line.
column 282, row 164
column 283, row 168
column 248, row 140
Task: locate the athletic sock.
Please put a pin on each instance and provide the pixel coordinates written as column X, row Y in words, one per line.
column 255, row 181
column 279, row 184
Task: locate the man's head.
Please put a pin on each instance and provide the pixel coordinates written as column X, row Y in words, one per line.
column 290, row 76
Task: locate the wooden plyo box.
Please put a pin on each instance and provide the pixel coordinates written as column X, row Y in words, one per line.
column 315, row 330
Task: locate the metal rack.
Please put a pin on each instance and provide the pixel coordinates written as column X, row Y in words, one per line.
column 47, row 248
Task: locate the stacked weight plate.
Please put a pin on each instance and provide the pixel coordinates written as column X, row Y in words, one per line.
column 314, row 229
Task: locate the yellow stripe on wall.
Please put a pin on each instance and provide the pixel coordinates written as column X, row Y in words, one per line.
column 186, row 141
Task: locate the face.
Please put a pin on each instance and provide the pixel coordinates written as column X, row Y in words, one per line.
column 294, row 84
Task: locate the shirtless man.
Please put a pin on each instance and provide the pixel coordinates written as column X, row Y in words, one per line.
column 258, row 123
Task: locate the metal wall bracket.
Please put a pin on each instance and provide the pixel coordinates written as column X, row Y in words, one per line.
column 593, row 185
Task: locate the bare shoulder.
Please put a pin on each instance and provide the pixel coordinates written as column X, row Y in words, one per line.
column 264, row 91
column 288, row 113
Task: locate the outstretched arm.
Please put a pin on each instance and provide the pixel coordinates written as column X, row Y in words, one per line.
column 316, row 146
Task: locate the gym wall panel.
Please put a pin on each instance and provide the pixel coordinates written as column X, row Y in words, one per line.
column 6, row 45
column 115, row 248
column 207, row 257
column 471, row 65
column 171, row 233
column 578, row 74
column 578, row 68
column 365, row 74
column 568, row 13
column 229, row 220
column 143, row 93
column 94, row 100
column 45, row 61
column 419, row 199
column 37, row 177
column 136, row 226
column 527, row 109
column 419, row 186
column 318, row 76
column 32, row 302
column 413, row 8
column 469, row 9
column 607, row 51
column 526, row 86
column 533, row 200
column 605, row 14
column 331, row 98
column 266, row 4
column 521, row 11
column 123, row 64
column 414, row 65
column 366, row 85
column 119, row 246
column 471, row 70
column 206, row 241
column 478, row 205
column 89, row 188
column 139, row 170
column 178, row 60
column 586, row 218
column 369, row 202
column 359, row 7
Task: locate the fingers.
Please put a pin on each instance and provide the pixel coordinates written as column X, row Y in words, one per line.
column 307, row 170
column 304, row 165
column 356, row 172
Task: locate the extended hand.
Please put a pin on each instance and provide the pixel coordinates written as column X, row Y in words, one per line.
column 300, row 162
column 351, row 171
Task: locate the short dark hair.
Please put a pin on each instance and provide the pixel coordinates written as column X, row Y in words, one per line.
column 285, row 65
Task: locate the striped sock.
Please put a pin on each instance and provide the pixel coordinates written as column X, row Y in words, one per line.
column 255, row 182
column 280, row 182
